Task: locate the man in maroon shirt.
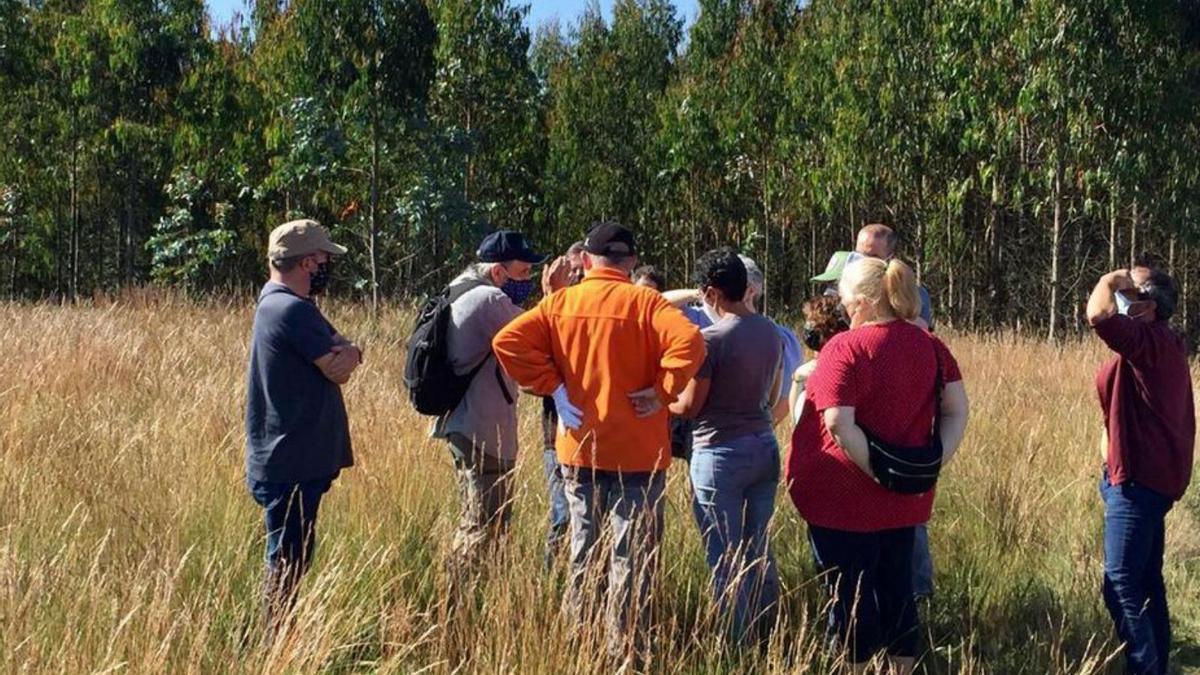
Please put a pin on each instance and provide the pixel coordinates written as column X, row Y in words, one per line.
column 1146, row 397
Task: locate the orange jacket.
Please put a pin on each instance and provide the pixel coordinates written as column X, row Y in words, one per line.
column 605, row 338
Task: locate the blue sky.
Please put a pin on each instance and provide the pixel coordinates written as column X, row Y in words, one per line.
column 539, row 10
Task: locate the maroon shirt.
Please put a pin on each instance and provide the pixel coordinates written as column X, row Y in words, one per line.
column 1146, row 395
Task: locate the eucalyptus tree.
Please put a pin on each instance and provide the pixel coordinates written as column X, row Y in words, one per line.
column 602, row 116
column 355, row 73
column 483, row 161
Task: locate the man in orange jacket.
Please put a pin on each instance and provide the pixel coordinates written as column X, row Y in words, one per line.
column 612, row 355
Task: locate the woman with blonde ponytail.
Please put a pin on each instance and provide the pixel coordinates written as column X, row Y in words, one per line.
column 900, row 290
column 885, row 383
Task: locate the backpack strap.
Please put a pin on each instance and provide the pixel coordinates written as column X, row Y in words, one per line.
column 455, row 291
column 503, row 387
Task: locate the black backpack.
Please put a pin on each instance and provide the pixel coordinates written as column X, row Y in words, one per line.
column 433, row 386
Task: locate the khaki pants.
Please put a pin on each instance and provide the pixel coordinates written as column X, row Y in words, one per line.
column 624, row 511
column 485, row 501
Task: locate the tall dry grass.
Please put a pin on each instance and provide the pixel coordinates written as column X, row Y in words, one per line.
column 129, row 543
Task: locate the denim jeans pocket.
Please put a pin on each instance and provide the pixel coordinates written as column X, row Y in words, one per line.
column 1147, row 498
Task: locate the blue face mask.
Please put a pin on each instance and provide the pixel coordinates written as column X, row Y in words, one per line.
column 518, row 290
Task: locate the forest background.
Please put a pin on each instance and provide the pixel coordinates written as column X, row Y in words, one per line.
column 1020, row 148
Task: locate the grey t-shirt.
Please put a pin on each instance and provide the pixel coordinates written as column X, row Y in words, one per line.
column 485, row 416
column 742, row 361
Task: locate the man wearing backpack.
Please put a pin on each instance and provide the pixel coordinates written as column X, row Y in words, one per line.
column 481, row 429
column 297, row 434
column 612, row 355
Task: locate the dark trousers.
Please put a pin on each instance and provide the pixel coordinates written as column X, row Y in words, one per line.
column 868, row 576
column 922, row 563
column 291, row 519
column 1134, row 592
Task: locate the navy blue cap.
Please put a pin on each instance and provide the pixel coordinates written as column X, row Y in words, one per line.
column 505, row 246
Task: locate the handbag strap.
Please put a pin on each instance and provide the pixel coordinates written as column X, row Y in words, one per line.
column 938, row 385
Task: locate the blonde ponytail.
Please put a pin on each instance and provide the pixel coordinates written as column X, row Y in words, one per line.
column 900, row 290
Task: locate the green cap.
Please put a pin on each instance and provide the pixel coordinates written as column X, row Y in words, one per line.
column 837, row 263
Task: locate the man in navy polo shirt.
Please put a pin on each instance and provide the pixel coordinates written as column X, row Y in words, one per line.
column 297, row 435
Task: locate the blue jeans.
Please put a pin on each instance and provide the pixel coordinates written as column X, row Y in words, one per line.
column 868, row 576
column 1134, row 592
column 559, row 515
column 733, row 491
column 627, row 508
column 290, row 516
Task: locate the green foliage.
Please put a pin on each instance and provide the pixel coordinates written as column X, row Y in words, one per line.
column 1019, row 148
column 181, row 253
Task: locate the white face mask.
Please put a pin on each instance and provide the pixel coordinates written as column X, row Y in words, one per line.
column 1123, row 304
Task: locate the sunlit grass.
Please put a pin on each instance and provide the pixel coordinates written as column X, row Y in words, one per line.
column 128, row 541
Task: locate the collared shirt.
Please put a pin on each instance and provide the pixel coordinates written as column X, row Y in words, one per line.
column 1146, row 396
column 604, row 339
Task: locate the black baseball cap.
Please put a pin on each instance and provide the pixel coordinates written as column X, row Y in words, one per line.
column 505, row 246
column 610, row 239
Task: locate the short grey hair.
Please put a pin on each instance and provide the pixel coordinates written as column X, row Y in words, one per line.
column 481, row 271
column 754, row 274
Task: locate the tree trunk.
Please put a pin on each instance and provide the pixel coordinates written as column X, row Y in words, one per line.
column 1185, row 286
column 373, row 238
column 469, row 168
column 812, row 250
column 15, row 234
column 74, row 243
column 1055, row 244
column 766, row 261
column 125, row 246
column 919, row 245
column 1112, row 232
column 60, row 225
column 996, row 291
column 1133, row 233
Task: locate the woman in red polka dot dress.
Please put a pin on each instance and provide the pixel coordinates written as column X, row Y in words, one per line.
column 880, row 377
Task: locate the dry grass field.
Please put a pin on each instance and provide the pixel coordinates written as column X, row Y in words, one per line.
column 128, row 542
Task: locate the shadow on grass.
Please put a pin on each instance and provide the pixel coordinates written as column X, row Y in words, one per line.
column 1023, row 629
column 1185, row 658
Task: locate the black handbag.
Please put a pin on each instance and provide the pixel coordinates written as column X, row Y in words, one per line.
column 910, row 470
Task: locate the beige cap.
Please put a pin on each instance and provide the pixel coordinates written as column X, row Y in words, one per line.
column 301, row 237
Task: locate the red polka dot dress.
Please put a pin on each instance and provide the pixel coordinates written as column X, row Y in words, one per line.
column 886, row 372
